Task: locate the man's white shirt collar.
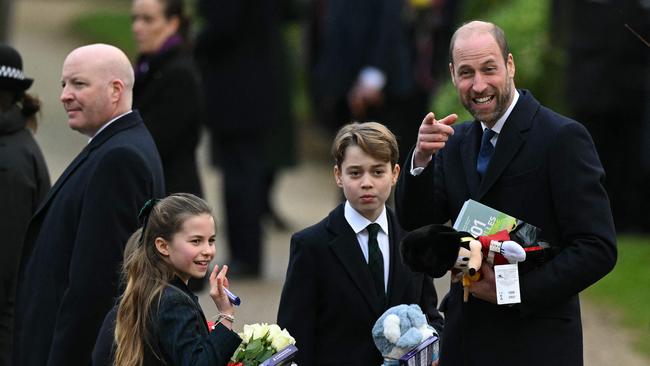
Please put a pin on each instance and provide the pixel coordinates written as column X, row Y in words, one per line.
column 502, row 121
column 107, row 124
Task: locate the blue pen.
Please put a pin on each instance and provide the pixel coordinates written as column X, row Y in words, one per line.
column 234, row 299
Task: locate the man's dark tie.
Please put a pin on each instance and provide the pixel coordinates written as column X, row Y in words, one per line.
column 484, row 155
column 376, row 262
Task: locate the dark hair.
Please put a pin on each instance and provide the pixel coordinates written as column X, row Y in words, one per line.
column 176, row 8
column 146, row 274
column 373, row 138
column 497, row 33
column 29, row 104
column 168, row 215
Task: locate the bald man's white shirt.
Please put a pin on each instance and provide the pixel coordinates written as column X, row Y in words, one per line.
column 107, row 124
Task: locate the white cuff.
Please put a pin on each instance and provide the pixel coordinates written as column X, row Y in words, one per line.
column 372, row 77
column 415, row 171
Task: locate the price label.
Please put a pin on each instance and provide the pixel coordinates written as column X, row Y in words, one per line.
column 507, row 281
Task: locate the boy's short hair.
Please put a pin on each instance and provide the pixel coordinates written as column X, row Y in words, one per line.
column 373, row 138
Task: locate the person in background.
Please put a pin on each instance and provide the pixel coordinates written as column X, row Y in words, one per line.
column 167, row 90
column 602, row 36
column 377, row 60
column 238, row 53
column 281, row 144
column 68, row 278
column 24, row 180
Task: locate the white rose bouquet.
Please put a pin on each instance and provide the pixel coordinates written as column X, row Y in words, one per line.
column 259, row 343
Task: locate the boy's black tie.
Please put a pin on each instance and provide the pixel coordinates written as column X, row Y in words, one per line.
column 376, row 262
column 484, row 155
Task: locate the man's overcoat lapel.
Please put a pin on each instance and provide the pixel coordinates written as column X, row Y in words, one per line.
column 469, row 151
column 511, row 139
column 122, row 123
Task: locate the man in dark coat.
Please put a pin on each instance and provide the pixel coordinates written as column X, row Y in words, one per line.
column 238, row 55
column 68, row 279
column 544, row 170
column 377, row 60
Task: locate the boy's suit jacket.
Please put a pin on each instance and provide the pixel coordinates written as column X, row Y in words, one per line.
column 329, row 304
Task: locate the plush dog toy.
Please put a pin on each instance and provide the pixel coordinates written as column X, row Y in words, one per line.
column 400, row 329
column 435, row 249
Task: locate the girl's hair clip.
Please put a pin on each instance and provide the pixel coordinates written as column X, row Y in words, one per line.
column 144, row 214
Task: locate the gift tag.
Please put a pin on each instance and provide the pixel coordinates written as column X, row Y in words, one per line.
column 507, row 281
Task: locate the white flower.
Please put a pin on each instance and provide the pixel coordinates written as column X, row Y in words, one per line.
column 260, row 330
column 391, row 328
column 281, row 340
column 271, row 340
column 247, row 333
column 274, row 330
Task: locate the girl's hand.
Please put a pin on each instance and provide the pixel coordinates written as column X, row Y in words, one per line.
column 218, row 281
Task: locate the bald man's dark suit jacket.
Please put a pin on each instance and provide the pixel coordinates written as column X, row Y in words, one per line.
column 329, row 304
column 545, row 171
column 73, row 248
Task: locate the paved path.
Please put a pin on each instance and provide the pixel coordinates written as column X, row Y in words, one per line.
column 304, row 194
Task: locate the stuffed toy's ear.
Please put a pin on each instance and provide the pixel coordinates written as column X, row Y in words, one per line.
column 431, row 249
column 387, row 329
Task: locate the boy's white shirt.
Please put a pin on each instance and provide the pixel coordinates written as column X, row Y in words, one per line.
column 359, row 224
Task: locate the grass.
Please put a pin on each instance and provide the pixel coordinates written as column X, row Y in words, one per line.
column 106, row 26
column 627, row 289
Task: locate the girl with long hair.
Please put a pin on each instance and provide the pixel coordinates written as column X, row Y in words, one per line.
column 158, row 320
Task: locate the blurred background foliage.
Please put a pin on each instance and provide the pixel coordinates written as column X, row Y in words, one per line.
column 526, row 24
column 106, row 26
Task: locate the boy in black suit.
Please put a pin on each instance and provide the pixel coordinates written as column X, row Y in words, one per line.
column 345, row 271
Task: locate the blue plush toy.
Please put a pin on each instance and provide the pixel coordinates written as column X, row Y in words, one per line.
column 400, row 329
